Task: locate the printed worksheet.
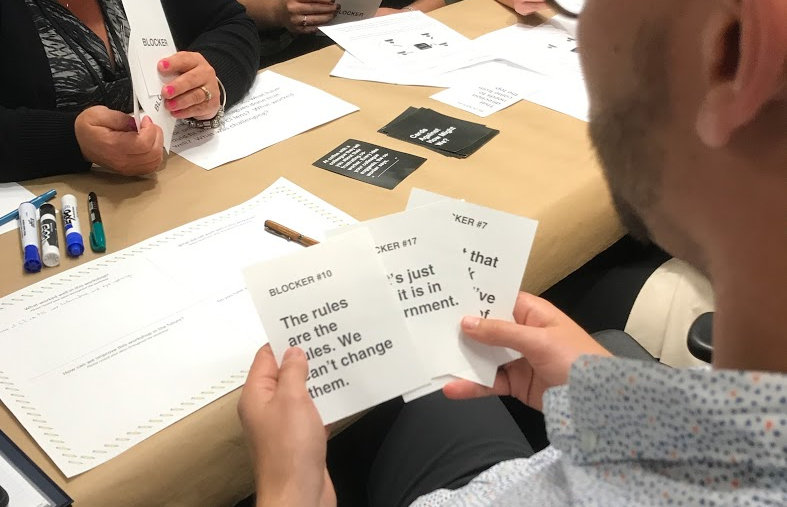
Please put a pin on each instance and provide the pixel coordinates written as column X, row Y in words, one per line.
column 276, row 108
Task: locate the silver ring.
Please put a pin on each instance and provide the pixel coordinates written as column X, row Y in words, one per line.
column 208, row 93
column 304, row 23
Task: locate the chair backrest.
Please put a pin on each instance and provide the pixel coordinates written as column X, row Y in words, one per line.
column 700, row 339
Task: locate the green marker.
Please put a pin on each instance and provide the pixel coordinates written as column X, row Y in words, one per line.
column 98, row 241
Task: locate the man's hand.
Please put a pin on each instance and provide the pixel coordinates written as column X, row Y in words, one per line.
column 304, row 16
column 110, row 139
column 548, row 340
column 185, row 96
column 287, row 439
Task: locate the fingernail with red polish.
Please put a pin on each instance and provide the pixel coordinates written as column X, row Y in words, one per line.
column 172, row 105
column 169, row 90
column 164, row 64
column 132, row 124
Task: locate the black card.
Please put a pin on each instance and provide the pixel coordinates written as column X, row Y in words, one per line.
column 444, row 134
column 370, row 163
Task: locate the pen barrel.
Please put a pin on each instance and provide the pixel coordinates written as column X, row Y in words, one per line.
column 92, row 208
column 50, row 247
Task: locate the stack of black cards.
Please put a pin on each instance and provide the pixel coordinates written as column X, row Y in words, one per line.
column 446, row 135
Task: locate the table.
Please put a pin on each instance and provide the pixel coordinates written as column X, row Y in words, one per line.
column 540, row 165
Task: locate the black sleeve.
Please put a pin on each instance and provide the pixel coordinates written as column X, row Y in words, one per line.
column 224, row 34
column 37, row 143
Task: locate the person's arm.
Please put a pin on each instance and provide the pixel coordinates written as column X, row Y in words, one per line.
column 291, row 14
column 224, row 35
column 37, row 143
column 266, row 14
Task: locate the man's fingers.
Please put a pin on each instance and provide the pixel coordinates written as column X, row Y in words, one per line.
column 499, row 333
column 179, row 63
column 464, row 389
column 294, row 370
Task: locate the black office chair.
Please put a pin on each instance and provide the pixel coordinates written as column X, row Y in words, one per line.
column 700, row 339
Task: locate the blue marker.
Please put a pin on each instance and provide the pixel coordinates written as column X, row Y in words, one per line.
column 74, row 244
column 28, row 232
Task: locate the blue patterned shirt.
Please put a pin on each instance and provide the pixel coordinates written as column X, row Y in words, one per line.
column 629, row 433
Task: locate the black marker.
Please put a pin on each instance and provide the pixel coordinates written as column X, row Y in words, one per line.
column 50, row 248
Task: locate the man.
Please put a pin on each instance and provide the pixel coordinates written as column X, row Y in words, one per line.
column 689, row 115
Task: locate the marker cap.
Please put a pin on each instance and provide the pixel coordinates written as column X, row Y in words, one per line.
column 32, row 259
column 51, row 256
column 74, row 245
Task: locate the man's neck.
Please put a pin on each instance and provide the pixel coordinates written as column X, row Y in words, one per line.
column 750, row 323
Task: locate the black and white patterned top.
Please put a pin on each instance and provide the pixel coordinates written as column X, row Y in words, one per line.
column 628, row 433
column 71, row 47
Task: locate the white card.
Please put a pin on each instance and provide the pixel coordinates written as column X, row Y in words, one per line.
column 480, row 99
column 355, row 10
column 153, row 39
column 152, row 106
column 428, row 274
column 333, row 301
column 496, row 246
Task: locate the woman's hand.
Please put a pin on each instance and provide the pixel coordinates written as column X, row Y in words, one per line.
column 525, row 7
column 110, row 139
column 287, row 439
column 186, row 95
column 300, row 16
column 548, row 340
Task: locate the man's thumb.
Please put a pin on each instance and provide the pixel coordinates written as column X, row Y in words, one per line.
column 294, row 369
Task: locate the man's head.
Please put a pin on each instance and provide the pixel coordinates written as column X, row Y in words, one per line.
column 689, row 117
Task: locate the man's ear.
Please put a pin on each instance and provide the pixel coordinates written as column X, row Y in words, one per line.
column 744, row 54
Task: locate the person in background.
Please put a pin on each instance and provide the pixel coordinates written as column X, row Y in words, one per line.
column 288, row 28
column 65, row 101
column 688, row 117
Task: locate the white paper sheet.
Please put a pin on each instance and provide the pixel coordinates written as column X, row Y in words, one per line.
column 551, row 52
column 481, row 99
column 333, row 301
column 11, row 196
column 411, row 40
column 20, row 492
column 151, row 36
column 100, row 357
column 276, row 108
